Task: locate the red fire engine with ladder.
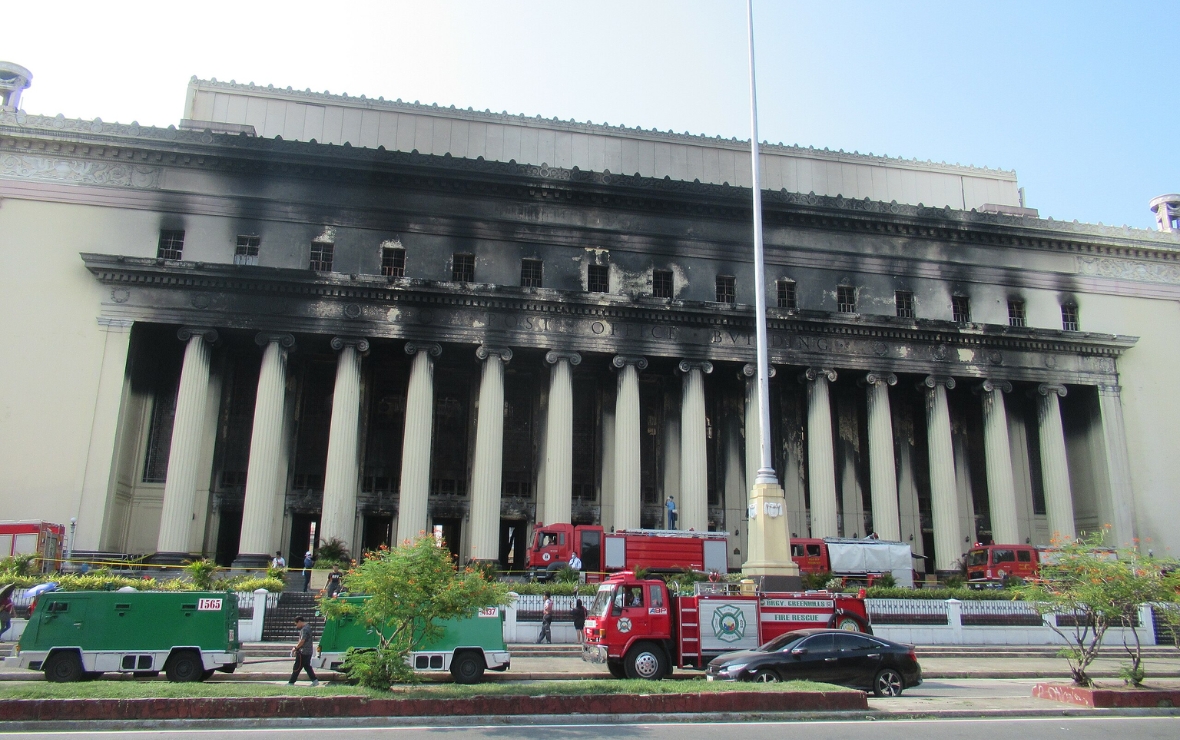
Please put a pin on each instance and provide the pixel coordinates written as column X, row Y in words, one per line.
column 640, row 630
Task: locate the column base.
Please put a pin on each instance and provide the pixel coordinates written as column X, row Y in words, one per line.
column 172, row 558
column 769, row 543
column 251, row 561
column 775, row 583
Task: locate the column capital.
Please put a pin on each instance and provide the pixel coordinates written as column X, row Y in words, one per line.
column 813, row 373
column 750, row 370
column 1044, row 389
column 621, row 361
column 687, row 366
column 263, row 338
column 485, row 351
column 434, row 348
column 208, row 333
column 875, row 377
column 361, row 343
column 554, row 356
column 989, row 385
column 930, row 382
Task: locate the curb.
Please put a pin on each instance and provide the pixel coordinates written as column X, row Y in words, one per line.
column 335, row 707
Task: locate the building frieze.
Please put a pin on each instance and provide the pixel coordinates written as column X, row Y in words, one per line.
column 297, row 301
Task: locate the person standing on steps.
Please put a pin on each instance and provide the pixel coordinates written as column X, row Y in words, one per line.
column 302, row 653
column 308, row 562
column 334, row 581
column 546, row 620
column 670, row 505
column 278, row 561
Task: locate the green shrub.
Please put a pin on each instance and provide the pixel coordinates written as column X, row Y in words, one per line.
column 250, row 583
column 17, row 566
column 953, row 582
column 334, row 551
column 942, row 594
column 565, row 574
column 202, row 572
column 816, row 581
column 885, row 580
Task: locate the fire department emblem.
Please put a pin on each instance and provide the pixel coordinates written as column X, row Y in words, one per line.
column 729, row 623
column 624, row 625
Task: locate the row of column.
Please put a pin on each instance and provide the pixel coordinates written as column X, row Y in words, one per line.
column 264, row 482
column 948, row 539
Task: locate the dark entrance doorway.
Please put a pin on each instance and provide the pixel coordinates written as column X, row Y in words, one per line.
column 301, row 535
column 229, row 535
column 452, row 529
column 514, row 544
column 378, row 531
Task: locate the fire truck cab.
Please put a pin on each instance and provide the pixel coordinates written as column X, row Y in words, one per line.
column 640, row 630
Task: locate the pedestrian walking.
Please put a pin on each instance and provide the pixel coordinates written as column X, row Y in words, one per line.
column 302, row 653
column 335, row 579
column 308, row 562
column 546, row 620
column 578, row 613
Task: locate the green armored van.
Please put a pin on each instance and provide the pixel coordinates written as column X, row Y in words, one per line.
column 466, row 647
column 82, row 634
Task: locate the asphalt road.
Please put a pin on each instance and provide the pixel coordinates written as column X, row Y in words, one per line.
column 1082, row 728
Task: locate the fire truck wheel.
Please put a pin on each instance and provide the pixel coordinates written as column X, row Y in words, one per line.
column 467, row 668
column 63, row 667
column 616, row 669
column 888, row 683
column 646, row 661
column 848, row 624
column 184, row 666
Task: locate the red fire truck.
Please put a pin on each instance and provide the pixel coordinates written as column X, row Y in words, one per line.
column 42, row 539
column 640, row 630
column 659, row 550
column 991, row 565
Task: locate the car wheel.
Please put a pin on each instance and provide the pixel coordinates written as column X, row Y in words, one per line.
column 888, row 683
column 63, row 667
column 184, row 666
column 646, row 661
column 467, row 668
column 616, row 669
column 766, row 676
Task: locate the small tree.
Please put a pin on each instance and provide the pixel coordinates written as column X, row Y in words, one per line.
column 202, row 572
column 1092, row 592
column 410, row 588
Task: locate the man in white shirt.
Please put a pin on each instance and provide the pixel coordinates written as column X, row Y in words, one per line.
column 278, row 561
column 575, row 561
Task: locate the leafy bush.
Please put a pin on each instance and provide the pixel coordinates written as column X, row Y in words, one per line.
column 566, row 574
column 375, row 667
column 334, row 551
column 885, row 580
column 942, row 594
column 17, row 566
column 816, row 581
column 276, row 573
column 250, row 583
column 202, row 572
column 955, row 581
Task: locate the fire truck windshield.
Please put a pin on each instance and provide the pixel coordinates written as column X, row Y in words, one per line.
column 601, row 605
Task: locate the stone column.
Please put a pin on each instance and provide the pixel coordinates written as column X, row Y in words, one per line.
column 821, row 458
column 1001, row 488
column 693, row 509
column 1118, row 466
column 180, row 486
column 338, row 519
column 414, row 496
column 944, row 493
column 882, row 470
column 488, row 465
column 753, row 433
column 1054, row 464
column 628, row 431
column 266, row 441
column 559, row 438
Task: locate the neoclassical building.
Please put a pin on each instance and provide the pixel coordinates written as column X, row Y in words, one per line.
column 302, row 315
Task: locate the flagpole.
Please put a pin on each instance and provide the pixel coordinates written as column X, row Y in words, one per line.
column 766, row 464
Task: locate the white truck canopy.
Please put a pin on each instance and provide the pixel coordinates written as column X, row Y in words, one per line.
column 857, row 557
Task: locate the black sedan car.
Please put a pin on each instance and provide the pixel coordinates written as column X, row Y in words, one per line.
column 828, row 656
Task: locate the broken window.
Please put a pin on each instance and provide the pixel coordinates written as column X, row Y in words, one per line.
column 661, row 283
column 845, row 299
column 961, row 309
column 321, row 256
column 530, row 273
column 246, row 251
column 463, row 268
column 597, row 279
column 171, row 244
column 393, row 262
column 725, row 289
column 786, row 295
column 904, row 301
column 1016, row 315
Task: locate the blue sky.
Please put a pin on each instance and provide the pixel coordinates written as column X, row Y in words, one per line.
column 1074, row 96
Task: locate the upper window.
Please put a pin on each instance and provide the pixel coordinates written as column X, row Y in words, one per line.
column 845, row 299
column 904, row 301
column 530, row 273
column 1069, row 317
column 961, row 309
column 661, row 283
column 393, row 262
column 321, row 256
column 597, row 279
column 171, row 245
column 786, row 295
column 1016, row 315
column 725, row 289
column 246, row 251
column 463, row 268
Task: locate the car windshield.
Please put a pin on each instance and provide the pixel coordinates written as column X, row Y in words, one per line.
column 977, row 557
column 602, row 599
column 780, row 642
